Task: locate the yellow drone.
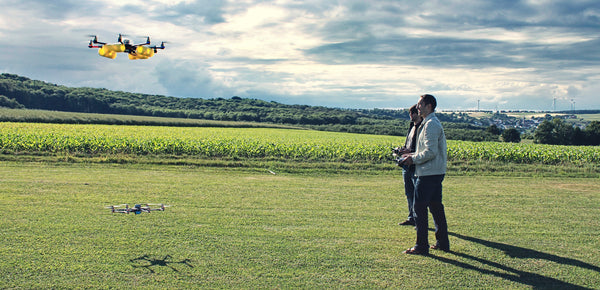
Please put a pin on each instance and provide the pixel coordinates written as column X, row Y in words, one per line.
column 134, row 51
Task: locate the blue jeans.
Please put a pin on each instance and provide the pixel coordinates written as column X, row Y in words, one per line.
column 428, row 194
column 408, row 173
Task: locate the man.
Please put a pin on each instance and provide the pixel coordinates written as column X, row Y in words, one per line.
column 430, row 160
column 408, row 171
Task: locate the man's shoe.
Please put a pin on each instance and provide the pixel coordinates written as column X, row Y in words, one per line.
column 407, row 223
column 413, row 251
column 438, row 247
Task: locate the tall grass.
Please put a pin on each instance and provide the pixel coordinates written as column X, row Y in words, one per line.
column 256, row 143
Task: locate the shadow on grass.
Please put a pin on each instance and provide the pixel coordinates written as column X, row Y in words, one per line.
column 147, row 262
column 534, row 280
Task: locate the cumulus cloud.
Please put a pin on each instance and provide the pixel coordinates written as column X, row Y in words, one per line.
column 189, row 79
column 506, row 54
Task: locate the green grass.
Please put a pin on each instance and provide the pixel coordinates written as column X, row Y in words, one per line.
column 247, row 228
column 589, row 117
column 529, row 115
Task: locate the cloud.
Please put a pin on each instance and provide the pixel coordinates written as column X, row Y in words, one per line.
column 467, row 33
column 195, row 14
column 360, row 54
column 51, row 10
column 188, row 79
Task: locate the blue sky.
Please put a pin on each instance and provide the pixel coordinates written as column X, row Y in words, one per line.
column 352, row 54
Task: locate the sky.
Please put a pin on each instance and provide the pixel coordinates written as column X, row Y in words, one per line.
column 488, row 55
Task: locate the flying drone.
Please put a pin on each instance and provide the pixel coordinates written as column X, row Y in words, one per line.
column 138, row 208
column 134, row 51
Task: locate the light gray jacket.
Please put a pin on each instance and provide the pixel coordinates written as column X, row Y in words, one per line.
column 432, row 153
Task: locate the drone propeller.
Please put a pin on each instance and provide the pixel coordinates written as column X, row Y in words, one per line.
column 94, row 40
column 160, row 206
column 120, row 39
column 118, row 205
column 147, row 40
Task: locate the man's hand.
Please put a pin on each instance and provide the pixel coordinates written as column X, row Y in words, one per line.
column 401, row 151
column 407, row 159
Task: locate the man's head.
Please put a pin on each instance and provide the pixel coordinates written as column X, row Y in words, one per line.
column 426, row 105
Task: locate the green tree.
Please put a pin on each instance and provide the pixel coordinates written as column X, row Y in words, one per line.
column 511, row 135
column 10, row 103
column 563, row 132
column 544, row 133
column 592, row 132
column 580, row 137
column 559, row 132
column 493, row 129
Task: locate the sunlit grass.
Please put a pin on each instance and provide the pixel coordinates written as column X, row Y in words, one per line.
column 249, row 228
column 260, row 143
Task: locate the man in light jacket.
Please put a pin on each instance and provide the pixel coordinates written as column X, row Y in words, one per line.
column 430, row 160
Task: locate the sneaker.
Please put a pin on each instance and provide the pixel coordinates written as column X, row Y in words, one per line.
column 407, row 223
column 438, row 247
column 413, row 251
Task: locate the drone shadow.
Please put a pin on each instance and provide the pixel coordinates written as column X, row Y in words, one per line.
column 534, row 280
column 148, row 262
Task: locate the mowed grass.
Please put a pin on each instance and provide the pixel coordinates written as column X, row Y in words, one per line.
column 249, row 228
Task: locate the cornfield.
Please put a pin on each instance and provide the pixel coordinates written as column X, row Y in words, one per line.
column 259, row 143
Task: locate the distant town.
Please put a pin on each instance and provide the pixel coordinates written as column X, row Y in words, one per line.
column 524, row 121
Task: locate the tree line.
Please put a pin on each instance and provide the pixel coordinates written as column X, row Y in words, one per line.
column 21, row 92
column 559, row 132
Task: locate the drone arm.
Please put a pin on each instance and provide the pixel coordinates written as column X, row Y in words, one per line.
column 155, row 48
column 95, row 41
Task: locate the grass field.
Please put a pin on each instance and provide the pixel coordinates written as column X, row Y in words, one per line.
column 69, row 140
column 589, row 117
column 527, row 115
column 248, row 228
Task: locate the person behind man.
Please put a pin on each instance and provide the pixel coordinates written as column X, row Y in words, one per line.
column 430, row 160
column 408, row 171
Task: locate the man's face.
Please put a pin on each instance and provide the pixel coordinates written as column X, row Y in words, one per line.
column 424, row 110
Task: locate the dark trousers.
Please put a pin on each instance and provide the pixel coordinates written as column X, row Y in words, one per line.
column 428, row 194
column 408, row 174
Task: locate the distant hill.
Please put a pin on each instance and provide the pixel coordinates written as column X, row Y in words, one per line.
column 21, row 92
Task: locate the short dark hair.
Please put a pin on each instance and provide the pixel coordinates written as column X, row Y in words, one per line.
column 429, row 100
column 413, row 109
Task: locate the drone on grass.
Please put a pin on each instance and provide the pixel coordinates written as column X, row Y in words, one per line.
column 134, row 51
column 138, row 208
